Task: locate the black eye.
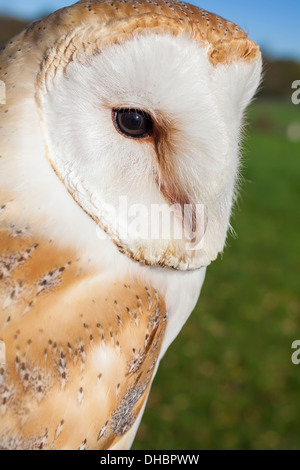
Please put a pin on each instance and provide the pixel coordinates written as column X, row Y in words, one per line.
column 133, row 123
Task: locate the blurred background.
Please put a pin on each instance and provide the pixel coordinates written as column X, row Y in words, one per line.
column 228, row 381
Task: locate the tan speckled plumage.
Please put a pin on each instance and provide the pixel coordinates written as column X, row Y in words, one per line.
column 78, row 346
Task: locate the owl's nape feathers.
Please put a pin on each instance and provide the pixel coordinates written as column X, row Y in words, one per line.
column 105, row 100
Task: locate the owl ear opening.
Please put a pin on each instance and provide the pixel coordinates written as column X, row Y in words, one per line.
column 236, row 83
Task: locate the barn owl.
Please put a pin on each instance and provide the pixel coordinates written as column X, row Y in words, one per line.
column 112, row 107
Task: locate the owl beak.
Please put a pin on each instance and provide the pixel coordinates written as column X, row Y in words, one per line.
column 192, row 216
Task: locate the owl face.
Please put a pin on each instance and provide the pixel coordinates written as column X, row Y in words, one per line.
column 143, row 132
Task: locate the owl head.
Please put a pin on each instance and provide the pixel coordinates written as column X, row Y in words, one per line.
column 140, row 106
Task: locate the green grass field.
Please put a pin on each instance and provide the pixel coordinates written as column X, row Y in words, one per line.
column 227, row 382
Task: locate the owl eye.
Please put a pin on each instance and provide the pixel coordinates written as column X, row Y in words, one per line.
column 133, row 123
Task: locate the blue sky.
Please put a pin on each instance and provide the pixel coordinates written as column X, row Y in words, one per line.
column 274, row 24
